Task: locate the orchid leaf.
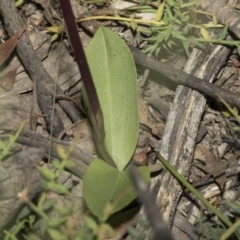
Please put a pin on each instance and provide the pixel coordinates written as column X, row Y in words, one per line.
column 108, row 185
column 114, row 74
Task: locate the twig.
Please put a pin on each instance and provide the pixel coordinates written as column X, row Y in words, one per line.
column 40, row 77
column 182, row 78
column 160, row 228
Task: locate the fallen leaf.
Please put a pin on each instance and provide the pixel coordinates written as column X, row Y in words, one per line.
column 8, row 79
column 7, row 47
column 211, row 163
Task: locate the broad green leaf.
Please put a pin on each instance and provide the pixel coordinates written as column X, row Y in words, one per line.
column 103, row 184
column 114, row 74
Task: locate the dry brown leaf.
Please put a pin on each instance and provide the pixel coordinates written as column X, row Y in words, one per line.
column 8, row 79
column 83, row 136
column 211, row 163
column 7, row 47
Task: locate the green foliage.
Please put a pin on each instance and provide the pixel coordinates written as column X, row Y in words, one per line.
column 116, row 86
column 7, row 149
column 114, row 75
column 48, row 183
column 56, row 30
column 34, row 223
column 176, row 23
column 37, row 224
column 113, row 188
column 183, row 22
column 136, row 234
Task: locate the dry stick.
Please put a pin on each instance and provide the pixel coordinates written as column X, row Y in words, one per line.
column 95, row 112
column 33, row 139
column 160, row 228
column 182, row 78
column 224, row 13
column 41, row 79
column 213, row 173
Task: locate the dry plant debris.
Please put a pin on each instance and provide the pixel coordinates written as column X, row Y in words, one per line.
column 181, row 128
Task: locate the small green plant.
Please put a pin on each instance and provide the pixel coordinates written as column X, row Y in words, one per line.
column 176, row 23
column 114, row 75
column 49, row 181
column 7, row 148
column 34, row 222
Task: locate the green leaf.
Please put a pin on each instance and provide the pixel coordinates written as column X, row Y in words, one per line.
column 55, row 234
column 182, row 17
column 54, row 223
column 56, row 29
column 63, row 210
column 42, row 225
column 186, row 45
column 44, row 184
column 91, row 224
column 58, row 187
column 133, row 24
column 214, row 18
column 160, row 11
column 168, row 32
column 223, row 33
column 47, row 173
column 204, row 33
column 103, row 184
column 25, row 211
column 48, row 204
column 234, row 207
column 105, row 231
column 178, row 34
column 114, row 74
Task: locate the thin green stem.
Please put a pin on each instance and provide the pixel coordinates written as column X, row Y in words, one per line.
column 218, row 41
column 230, row 230
column 142, row 21
column 194, row 191
column 38, row 211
